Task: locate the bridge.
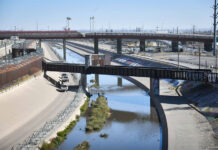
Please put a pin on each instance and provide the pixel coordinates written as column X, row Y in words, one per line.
column 202, row 75
column 142, row 36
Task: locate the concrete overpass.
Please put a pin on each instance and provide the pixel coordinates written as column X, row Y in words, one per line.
column 175, row 38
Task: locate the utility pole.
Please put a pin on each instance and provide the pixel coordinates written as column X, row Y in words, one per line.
column 5, row 52
column 177, row 30
column 214, row 27
column 93, row 23
column 214, row 34
column 68, row 23
column 199, row 57
column 90, row 23
column 178, row 58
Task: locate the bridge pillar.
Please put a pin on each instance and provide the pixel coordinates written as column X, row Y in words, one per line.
column 40, row 43
column 119, row 82
column 154, row 88
column 83, row 80
column 95, row 46
column 208, row 46
column 64, row 49
column 97, row 80
column 142, row 45
column 119, row 46
column 175, row 46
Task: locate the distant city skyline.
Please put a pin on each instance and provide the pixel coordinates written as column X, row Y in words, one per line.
column 118, row 15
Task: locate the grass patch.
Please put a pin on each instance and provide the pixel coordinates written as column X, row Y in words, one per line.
column 83, row 146
column 99, row 114
column 59, row 139
column 84, row 107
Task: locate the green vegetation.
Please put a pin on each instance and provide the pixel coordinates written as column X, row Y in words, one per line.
column 99, row 114
column 84, row 107
column 83, row 146
column 59, row 139
column 63, row 134
column 103, row 135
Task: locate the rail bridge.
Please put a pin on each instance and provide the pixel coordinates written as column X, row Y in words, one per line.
column 203, row 75
column 119, row 36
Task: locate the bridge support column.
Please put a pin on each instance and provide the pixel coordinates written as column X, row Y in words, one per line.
column 208, row 46
column 142, row 45
column 40, row 43
column 119, row 46
column 119, row 82
column 95, row 46
column 64, row 49
column 83, row 80
column 97, row 80
column 175, row 46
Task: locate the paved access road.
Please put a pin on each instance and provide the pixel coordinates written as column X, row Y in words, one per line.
column 26, row 108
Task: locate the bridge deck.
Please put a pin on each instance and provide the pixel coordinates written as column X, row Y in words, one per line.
column 104, row 35
column 165, row 73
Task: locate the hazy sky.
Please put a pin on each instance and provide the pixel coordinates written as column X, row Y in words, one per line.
column 116, row 14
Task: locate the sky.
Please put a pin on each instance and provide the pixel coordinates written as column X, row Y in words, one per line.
column 109, row 14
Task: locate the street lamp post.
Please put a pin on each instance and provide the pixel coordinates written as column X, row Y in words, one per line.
column 68, row 23
column 199, row 58
column 5, row 52
column 214, row 34
column 214, row 25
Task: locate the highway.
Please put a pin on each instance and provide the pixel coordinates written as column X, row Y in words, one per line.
column 166, row 58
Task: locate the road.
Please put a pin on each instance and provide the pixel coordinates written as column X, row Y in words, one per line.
column 166, row 58
column 26, row 108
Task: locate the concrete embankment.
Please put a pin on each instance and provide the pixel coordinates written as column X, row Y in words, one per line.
column 203, row 97
column 187, row 128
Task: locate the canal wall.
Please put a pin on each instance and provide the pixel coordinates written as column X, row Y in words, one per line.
column 204, row 97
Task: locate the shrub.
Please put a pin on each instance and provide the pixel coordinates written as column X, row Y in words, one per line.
column 83, row 146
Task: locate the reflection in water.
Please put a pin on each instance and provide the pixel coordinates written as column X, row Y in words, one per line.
column 133, row 124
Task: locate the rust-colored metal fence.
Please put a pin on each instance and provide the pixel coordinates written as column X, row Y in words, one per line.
column 13, row 72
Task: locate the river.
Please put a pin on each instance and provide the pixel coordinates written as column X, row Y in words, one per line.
column 133, row 123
